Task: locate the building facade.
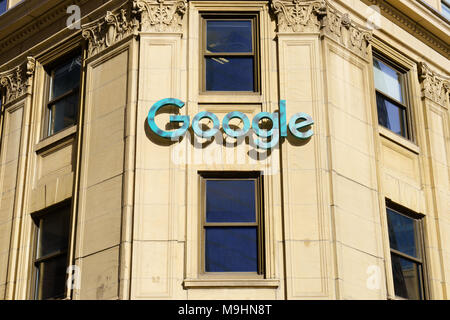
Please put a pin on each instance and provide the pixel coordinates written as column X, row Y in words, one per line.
column 172, row 149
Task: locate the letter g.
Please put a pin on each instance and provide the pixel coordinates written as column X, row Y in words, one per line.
column 168, row 134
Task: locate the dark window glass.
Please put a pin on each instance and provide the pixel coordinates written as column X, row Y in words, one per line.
column 391, row 104
column 64, row 95
column 64, row 112
column 391, row 115
column 229, row 55
column 406, row 255
column 407, row 278
column 232, row 225
column 229, row 36
column 51, row 253
column 66, row 77
column 52, row 273
column 3, row 6
column 230, row 201
column 402, row 233
column 53, row 233
column 229, row 74
column 231, row 249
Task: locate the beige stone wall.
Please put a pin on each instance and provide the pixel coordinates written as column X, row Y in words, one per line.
column 135, row 196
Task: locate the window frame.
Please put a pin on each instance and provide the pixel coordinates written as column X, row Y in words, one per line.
column 49, row 72
column 217, row 15
column 407, row 123
column 419, row 234
column 37, row 217
column 231, row 175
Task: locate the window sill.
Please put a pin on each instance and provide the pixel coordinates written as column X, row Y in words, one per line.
column 387, row 134
column 231, row 283
column 54, row 139
column 227, row 97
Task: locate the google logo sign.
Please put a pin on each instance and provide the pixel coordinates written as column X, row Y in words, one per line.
column 297, row 125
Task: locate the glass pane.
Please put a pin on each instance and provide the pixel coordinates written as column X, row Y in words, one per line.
column 402, row 233
column 66, row 77
column 229, row 74
column 52, row 283
column 407, row 278
column 64, row 113
column 387, row 80
column 231, row 249
column 391, row 116
column 2, row 6
column 229, row 36
column 446, row 10
column 53, row 232
column 230, row 201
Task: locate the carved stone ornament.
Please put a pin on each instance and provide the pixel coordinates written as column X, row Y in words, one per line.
column 298, row 15
column 434, row 86
column 108, row 30
column 160, row 15
column 14, row 83
column 321, row 16
column 132, row 17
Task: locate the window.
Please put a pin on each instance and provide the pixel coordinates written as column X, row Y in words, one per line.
column 391, row 97
column 63, row 95
column 446, row 9
column 50, row 261
column 231, row 223
column 405, row 238
column 3, row 6
column 230, row 51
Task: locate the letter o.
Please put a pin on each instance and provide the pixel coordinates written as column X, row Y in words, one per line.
column 209, row 133
column 236, row 133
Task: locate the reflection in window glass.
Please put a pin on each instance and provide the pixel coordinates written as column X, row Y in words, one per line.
column 229, row 74
column 51, row 254
column 230, row 201
column 231, row 225
column 64, row 95
column 387, row 80
column 66, row 77
column 406, row 255
column 391, row 103
column 391, row 116
column 229, row 55
column 407, row 278
column 3, row 6
column 446, row 9
column 229, row 36
column 231, row 249
column 402, row 233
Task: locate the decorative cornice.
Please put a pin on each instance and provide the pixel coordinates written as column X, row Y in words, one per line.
column 412, row 26
column 15, row 82
column 160, row 15
column 320, row 16
column 298, row 15
column 110, row 29
column 36, row 25
column 434, row 86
